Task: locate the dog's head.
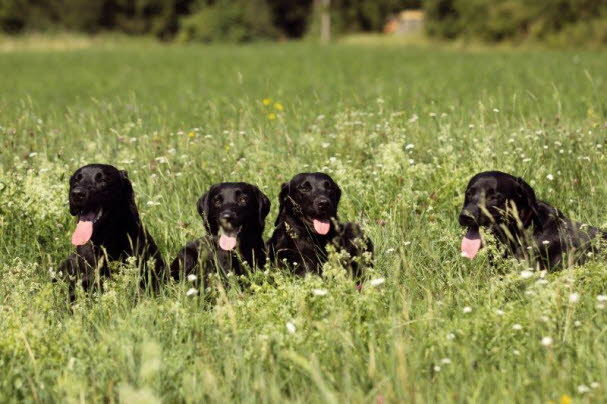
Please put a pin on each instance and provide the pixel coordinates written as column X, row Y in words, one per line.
column 494, row 198
column 231, row 209
column 311, row 198
column 99, row 193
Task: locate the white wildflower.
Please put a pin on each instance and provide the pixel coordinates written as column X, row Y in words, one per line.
column 547, row 341
column 467, row 309
column 319, row 292
column 550, row 177
column 445, row 361
column 602, row 298
column 450, row 336
column 517, row 327
column 582, row 388
column 191, row 292
column 291, row 327
column 526, row 274
column 377, row 281
column 192, row 277
column 574, row 297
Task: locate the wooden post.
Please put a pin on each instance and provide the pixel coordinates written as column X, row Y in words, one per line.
column 325, row 21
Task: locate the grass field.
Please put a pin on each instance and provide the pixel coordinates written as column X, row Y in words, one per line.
column 401, row 129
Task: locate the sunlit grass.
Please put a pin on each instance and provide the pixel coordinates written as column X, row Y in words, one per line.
column 400, row 129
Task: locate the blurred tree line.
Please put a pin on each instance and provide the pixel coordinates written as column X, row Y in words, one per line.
column 200, row 20
column 558, row 21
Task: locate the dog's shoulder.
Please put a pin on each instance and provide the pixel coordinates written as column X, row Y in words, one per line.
column 286, row 232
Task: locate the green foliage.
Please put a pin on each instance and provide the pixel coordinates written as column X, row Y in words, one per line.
column 556, row 21
column 229, row 21
column 157, row 17
column 400, row 129
column 192, row 20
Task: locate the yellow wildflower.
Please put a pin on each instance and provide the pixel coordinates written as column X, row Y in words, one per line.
column 278, row 106
column 191, row 134
column 565, row 399
column 271, row 116
column 266, row 101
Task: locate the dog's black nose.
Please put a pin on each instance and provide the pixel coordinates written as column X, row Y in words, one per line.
column 78, row 195
column 323, row 203
column 466, row 219
column 227, row 215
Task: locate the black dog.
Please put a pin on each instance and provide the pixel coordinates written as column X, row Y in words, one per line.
column 108, row 229
column 307, row 222
column 234, row 215
column 530, row 229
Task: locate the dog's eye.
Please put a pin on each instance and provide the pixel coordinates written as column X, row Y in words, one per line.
column 78, row 177
column 217, row 201
column 243, row 200
column 99, row 178
column 305, row 187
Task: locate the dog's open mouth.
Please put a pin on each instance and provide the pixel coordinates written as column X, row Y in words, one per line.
column 84, row 228
column 471, row 243
column 228, row 239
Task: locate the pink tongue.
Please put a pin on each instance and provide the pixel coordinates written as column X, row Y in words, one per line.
column 321, row 226
column 83, row 232
column 226, row 242
column 471, row 243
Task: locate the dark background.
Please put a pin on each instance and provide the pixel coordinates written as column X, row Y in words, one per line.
column 557, row 21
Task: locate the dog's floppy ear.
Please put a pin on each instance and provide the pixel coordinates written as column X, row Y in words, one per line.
column 282, row 200
column 204, row 206
column 264, row 207
column 128, row 194
column 73, row 210
column 337, row 193
column 526, row 199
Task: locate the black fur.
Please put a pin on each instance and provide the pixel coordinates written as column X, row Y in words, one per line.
column 529, row 229
column 295, row 243
column 235, row 208
column 104, row 192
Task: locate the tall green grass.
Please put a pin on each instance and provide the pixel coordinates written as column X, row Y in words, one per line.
column 401, row 129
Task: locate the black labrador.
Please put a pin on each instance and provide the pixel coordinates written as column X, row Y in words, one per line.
column 234, row 215
column 108, row 229
column 307, row 222
column 529, row 229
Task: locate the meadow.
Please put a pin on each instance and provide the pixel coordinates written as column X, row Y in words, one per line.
column 400, row 128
